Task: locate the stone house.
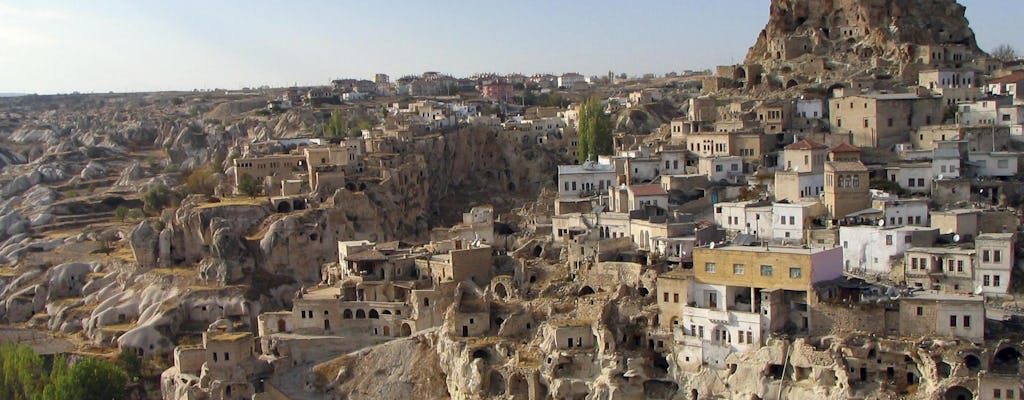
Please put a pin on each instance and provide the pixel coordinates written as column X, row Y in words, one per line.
column 883, row 120
column 943, row 315
column 947, row 269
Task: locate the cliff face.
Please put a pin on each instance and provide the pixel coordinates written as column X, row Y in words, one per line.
column 847, row 37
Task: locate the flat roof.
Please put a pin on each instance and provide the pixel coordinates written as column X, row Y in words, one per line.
column 770, row 249
column 942, row 250
column 936, row 296
column 592, row 168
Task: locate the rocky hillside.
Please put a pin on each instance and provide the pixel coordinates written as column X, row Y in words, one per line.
column 832, row 40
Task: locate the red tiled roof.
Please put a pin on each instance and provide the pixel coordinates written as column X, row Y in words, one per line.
column 845, row 148
column 806, row 145
column 648, row 190
column 1011, row 78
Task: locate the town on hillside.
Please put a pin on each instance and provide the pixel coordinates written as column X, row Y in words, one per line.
column 839, row 216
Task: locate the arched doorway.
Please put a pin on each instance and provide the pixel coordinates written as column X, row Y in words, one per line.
column 406, row 330
column 347, row 314
column 518, row 387
column 958, row 393
column 972, row 362
column 500, row 291
column 586, row 290
column 496, row 384
column 1006, row 361
column 284, row 207
column 360, row 314
column 387, row 331
column 374, row 314
column 282, row 325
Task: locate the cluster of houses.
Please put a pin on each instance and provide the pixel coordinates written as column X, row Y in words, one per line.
column 860, row 210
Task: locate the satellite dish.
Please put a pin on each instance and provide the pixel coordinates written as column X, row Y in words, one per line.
column 956, row 238
column 712, row 245
column 881, row 222
column 941, row 177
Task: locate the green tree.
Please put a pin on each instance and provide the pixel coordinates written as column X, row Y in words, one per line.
column 130, row 363
column 595, row 130
column 157, row 197
column 336, row 126
column 89, row 379
column 23, row 373
column 121, row 213
column 201, row 181
column 249, row 186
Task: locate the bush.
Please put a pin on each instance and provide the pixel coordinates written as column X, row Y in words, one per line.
column 157, row 197
column 249, row 186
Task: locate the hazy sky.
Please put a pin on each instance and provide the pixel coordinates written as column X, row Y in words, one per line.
column 141, row 45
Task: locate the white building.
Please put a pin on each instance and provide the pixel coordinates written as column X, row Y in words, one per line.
column 897, row 212
column 978, row 113
column 995, row 164
column 913, row 177
column 791, row 218
column 810, row 108
column 995, row 261
column 870, row 250
column 584, row 180
column 727, row 168
column 748, row 217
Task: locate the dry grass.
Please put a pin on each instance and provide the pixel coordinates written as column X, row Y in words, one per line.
column 235, row 201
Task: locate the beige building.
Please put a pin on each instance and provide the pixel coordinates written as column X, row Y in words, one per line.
column 883, row 120
column 943, row 315
column 847, row 188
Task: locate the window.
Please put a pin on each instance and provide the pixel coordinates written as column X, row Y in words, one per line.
column 985, row 280
column 227, row 357
column 718, row 168
column 997, row 256
column 952, row 321
column 782, row 219
column 738, row 269
column 997, row 394
column 959, row 265
column 675, row 297
column 967, row 321
column 985, row 256
column 888, row 240
column 766, row 270
column 995, row 280
column 920, row 310
column 664, row 297
column 709, row 268
column 792, row 220
column 910, row 182
column 795, row 273
column 913, row 263
column 890, row 122
column 920, row 182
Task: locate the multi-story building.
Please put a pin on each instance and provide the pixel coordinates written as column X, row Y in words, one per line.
column 883, row 120
column 995, row 264
column 740, row 294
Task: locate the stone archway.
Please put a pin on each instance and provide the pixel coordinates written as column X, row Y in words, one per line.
column 406, row 330
column 500, row 291
column 495, row 384
column 518, row 387
column 1006, row 361
column 958, row 393
column 586, row 290
column 284, row 207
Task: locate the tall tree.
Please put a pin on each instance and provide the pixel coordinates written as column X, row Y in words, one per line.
column 1004, row 52
column 595, row 131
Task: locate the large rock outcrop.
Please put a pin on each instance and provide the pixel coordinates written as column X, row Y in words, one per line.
column 807, row 41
